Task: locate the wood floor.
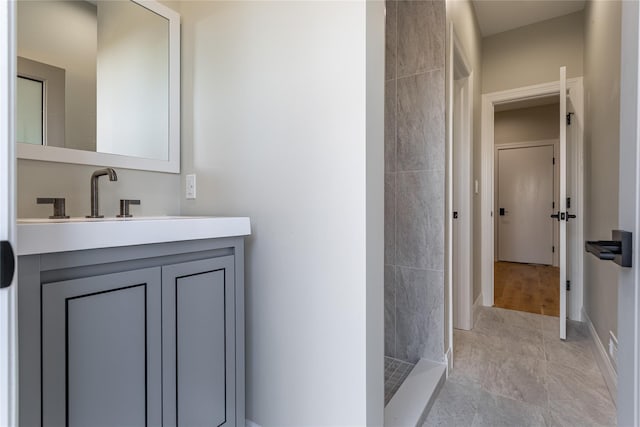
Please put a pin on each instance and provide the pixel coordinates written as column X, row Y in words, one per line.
column 527, row 287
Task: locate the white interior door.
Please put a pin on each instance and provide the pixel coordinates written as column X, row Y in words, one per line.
column 562, row 214
column 455, row 223
column 462, row 288
column 8, row 302
column 525, row 196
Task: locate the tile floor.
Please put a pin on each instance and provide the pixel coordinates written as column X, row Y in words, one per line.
column 513, row 370
column 395, row 372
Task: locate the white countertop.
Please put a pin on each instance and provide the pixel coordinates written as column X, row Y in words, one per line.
column 39, row 236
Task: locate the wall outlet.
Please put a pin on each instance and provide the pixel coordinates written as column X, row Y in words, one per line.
column 191, row 187
column 613, row 348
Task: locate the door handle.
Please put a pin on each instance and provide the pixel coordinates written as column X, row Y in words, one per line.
column 7, row 264
column 563, row 216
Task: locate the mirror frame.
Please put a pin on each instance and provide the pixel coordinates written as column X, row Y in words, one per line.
column 81, row 157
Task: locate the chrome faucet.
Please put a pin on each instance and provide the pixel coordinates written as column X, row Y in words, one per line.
column 94, row 189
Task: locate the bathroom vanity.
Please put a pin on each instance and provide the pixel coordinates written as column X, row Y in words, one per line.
column 131, row 321
column 125, row 321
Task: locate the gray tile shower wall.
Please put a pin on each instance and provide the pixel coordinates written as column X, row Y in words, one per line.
column 420, row 122
column 414, row 180
column 390, row 309
column 420, row 36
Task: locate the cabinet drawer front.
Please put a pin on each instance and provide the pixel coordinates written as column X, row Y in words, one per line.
column 199, row 343
column 101, row 347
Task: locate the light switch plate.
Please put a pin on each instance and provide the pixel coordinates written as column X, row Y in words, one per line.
column 191, row 186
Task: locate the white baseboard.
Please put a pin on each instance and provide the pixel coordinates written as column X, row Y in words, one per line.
column 448, row 357
column 476, row 305
column 249, row 423
column 602, row 358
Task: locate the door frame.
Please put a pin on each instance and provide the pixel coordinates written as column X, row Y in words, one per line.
column 489, row 101
column 628, row 401
column 8, row 296
column 527, row 144
column 459, row 68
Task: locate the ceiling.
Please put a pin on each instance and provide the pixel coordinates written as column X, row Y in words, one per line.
column 496, row 16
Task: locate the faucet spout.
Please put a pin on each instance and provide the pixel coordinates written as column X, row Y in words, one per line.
column 113, row 176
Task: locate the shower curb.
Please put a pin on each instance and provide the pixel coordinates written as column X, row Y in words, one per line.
column 411, row 403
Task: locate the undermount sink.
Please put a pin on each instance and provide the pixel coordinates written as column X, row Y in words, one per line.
column 40, row 235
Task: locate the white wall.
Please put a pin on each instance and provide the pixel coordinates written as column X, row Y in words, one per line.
column 628, row 399
column 533, row 54
column 462, row 14
column 602, row 148
column 158, row 192
column 274, row 126
column 526, row 124
column 63, row 34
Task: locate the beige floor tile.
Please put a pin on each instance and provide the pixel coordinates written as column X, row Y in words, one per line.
column 519, row 378
column 513, row 370
column 579, row 393
column 496, row 411
column 514, row 339
column 570, row 353
column 456, row 405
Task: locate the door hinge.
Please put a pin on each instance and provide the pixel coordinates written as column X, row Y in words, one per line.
column 569, row 118
column 553, row 205
column 554, row 160
column 568, row 202
column 568, row 285
column 553, row 249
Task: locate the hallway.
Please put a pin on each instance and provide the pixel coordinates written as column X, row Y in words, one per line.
column 527, row 287
column 512, row 370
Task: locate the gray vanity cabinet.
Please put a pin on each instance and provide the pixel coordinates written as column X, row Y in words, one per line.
column 101, row 350
column 149, row 335
column 198, row 343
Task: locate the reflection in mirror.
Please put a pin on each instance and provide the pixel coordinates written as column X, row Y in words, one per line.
column 41, row 116
column 30, row 119
column 94, row 76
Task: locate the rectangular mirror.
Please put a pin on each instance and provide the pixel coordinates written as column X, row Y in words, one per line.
column 99, row 83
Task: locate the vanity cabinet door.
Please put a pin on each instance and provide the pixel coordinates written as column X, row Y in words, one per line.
column 101, row 350
column 199, row 343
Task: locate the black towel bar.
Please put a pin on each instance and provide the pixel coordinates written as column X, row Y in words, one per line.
column 618, row 250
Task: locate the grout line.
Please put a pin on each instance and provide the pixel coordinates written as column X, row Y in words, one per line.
column 395, row 186
column 416, row 171
column 418, row 269
column 419, row 73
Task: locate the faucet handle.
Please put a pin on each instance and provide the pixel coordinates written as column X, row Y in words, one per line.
column 124, row 207
column 58, row 206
